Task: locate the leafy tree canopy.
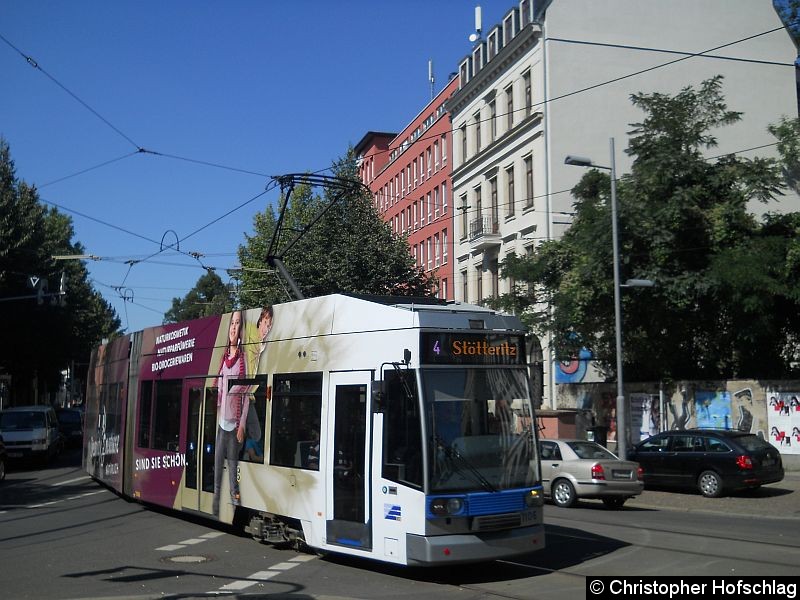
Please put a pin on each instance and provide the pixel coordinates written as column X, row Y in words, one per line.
column 209, row 296
column 727, row 297
column 350, row 249
column 46, row 337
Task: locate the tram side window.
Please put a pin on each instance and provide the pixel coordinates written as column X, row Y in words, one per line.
column 402, row 444
column 296, row 417
column 159, row 421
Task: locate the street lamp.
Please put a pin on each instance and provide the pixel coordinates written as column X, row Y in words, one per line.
column 622, row 425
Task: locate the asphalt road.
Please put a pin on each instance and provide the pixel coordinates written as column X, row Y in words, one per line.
column 62, row 536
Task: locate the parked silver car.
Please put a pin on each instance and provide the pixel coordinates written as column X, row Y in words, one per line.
column 573, row 469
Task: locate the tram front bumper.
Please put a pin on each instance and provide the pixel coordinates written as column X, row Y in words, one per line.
column 473, row 547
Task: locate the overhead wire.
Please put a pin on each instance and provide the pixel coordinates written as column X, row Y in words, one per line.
column 140, row 149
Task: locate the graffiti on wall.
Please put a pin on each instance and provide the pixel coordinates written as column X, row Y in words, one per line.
column 573, row 370
column 783, row 420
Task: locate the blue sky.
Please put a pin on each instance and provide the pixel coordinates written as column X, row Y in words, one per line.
column 260, row 88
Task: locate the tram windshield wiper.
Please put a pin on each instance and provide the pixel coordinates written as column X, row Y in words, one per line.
column 456, row 457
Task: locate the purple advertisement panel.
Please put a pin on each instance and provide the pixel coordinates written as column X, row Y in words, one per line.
column 179, row 350
column 170, row 354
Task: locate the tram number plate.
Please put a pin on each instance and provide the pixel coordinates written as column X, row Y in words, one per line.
column 529, row 516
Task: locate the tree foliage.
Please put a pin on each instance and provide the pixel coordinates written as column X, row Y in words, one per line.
column 727, row 297
column 209, row 296
column 350, row 249
column 42, row 339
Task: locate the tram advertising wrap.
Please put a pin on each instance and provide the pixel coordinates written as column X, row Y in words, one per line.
column 386, row 429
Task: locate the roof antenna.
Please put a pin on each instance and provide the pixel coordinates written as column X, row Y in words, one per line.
column 474, row 37
column 430, row 75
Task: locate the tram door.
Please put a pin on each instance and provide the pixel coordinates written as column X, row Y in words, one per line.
column 200, row 404
column 348, row 467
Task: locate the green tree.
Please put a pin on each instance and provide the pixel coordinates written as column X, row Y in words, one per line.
column 726, row 302
column 350, row 249
column 209, row 296
column 42, row 339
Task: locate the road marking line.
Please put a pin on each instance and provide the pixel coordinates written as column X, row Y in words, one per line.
column 192, row 541
column 171, row 547
column 70, row 481
column 284, row 566
column 264, row 575
column 44, row 504
column 212, row 534
column 303, row 558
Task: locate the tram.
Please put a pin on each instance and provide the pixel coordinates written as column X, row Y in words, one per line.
column 393, row 429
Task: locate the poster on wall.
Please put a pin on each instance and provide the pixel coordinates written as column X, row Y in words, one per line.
column 783, row 420
column 645, row 416
column 713, row 410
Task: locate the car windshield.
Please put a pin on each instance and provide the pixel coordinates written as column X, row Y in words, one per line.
column 479, row 429
column 590, row 450
column 21, row 420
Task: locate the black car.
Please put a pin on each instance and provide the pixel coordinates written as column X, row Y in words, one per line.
column 3, row 459
column 70, row 423
column 714, row 461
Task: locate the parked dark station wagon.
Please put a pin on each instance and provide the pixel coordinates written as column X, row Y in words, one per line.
column 711, row 460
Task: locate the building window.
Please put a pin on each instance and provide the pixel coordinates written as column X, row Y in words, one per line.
column 436, row 156
column 430, row 162
column 526, row 79
column 422, row 211
column 444, row 198
column 510, row 107
column 492, row 45
column 494, row 270
column 444, row 246
column 479, row 285
column 437, row 250
column 430, row 254
column 421, row 167
column 525, row 12
column 492, row 121
column 430, row 208
column 436, row 202
column 510, row 191
column 444, row 149
column 464, row 143
column 415, row 175
column 464, row 286
column 528, row 182
column 477, row 117
column 495, row 209
column 508, row 28
column 464, row 216
column 443, row 289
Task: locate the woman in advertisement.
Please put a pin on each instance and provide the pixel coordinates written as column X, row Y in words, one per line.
column 232, row 407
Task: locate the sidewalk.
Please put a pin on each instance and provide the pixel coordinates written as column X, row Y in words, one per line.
column 780, row 499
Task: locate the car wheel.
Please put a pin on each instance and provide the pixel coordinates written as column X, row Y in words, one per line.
column 614, row 502
column 710, row 484
column 563, row 493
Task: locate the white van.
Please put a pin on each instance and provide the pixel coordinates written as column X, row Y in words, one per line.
column 30, row 432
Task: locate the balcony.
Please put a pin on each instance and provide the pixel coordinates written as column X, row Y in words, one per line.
column 484, row 232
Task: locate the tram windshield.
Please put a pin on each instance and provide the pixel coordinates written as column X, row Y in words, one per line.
column 479, row 429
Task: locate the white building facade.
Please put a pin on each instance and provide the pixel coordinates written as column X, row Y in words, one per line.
column 555, row 77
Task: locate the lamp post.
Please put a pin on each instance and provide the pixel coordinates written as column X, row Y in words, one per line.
column 622, row 424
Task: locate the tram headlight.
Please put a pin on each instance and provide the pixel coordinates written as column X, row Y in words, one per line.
column 447, row 507
column 534, row 498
